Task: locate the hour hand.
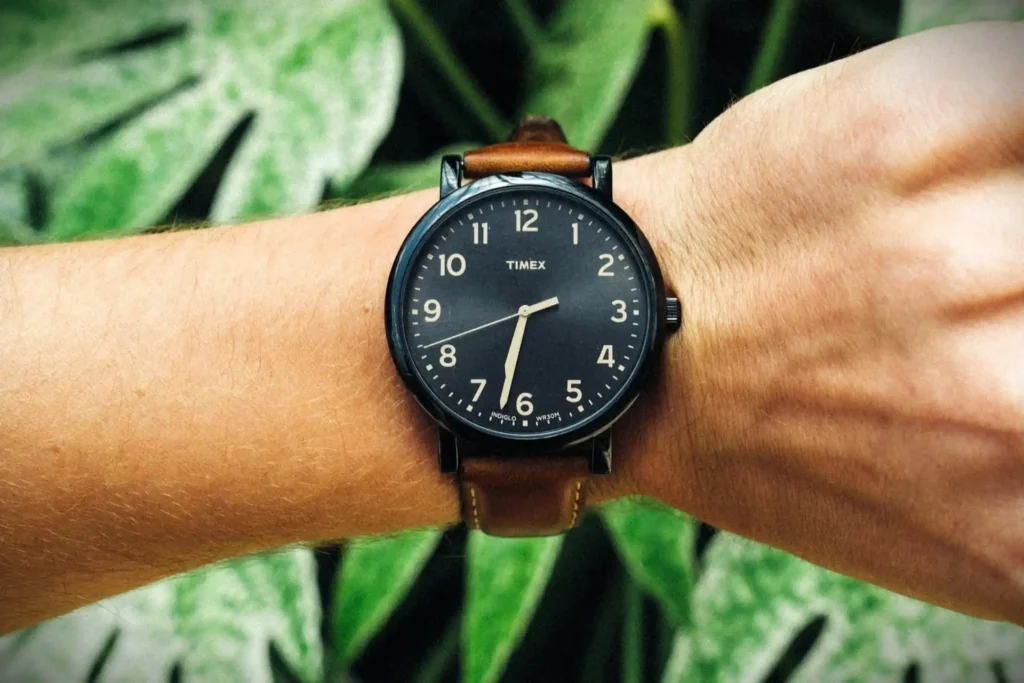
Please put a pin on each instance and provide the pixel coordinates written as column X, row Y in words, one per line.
column 540, row 306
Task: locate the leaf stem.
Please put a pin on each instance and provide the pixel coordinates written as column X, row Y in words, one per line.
column 526, row 23
column 632, row 634
column 454, row 72
column 773, row 44
column 678, row 77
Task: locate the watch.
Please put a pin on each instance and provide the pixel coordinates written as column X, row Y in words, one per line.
column 525, row 312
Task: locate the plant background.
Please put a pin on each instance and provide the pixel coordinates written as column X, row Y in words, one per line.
column 120, row 115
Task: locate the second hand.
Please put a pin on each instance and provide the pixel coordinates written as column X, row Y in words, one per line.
column 478, row 327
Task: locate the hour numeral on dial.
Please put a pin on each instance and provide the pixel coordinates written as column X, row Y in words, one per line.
column 605, row 270
column 481, row 383
column 606, row 357
column 523, row 405
column 448, row 355
column 433, row 310
column 572, row 391
column 480, row 231
column 528, row 225
column 575, row 233
column 454, row 265
column 620, row 311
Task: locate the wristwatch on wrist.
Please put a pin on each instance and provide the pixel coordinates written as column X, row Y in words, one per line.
column 525, row 311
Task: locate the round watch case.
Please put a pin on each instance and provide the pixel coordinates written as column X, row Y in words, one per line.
column 434, row 219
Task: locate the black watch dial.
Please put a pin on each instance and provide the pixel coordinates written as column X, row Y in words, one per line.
column 527, row 312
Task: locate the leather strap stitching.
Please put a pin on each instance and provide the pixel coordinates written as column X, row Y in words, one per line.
column 576, row 503
column 476, row 512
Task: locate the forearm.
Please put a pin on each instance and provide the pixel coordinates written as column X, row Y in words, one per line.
column 175, row 399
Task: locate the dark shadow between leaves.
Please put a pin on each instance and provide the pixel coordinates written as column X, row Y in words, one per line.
column 195, row 204
column 143, row 41
column 103, row 657
column 797, row 652
column 280, row 671
column 705, row 534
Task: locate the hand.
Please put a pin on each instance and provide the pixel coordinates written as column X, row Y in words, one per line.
column 512, row 359
column 850, row 377
column 536, row 307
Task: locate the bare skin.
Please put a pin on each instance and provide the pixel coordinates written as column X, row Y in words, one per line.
column 848, row 385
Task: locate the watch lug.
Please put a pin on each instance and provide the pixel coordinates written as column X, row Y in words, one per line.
column 601, row 455
column 601, row 177
column 447, row 452
column 451, row 173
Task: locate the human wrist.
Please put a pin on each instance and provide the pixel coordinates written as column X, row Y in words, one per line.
column 655, row 441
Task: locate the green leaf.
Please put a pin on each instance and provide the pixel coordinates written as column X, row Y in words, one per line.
column 13, row 234
column 320, row 80
column 752, row 601
column 581, row 72
column 13, row 196
column 53, row 106
column 506, row 579
column 919, row 15
column 131, row 179
column 217, row 622
column 392, row 179
column 14, row 209
column 376, row 574
column 656, row 544
column 306, row 138
column 35, row 32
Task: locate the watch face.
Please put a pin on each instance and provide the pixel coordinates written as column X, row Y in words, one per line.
column 526, row 311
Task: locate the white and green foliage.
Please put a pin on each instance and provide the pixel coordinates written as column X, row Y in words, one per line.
column 319, row 78
column 215, row 624
column 751, row 601
column 919, row 15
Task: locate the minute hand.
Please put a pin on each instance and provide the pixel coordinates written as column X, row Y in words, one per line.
column 517, row 342
column 513, row 355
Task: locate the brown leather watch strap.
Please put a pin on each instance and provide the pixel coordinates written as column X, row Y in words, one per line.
column 525, row 494
column 537, row 144
column 509, row 495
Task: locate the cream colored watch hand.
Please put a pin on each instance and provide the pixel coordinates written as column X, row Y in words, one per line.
column 547, row 303
column 517, row 342
column 513, row 354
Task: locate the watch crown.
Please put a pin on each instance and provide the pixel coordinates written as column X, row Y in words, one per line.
column 673, row 313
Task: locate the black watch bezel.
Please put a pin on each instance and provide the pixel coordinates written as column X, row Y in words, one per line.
column 433, row 219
